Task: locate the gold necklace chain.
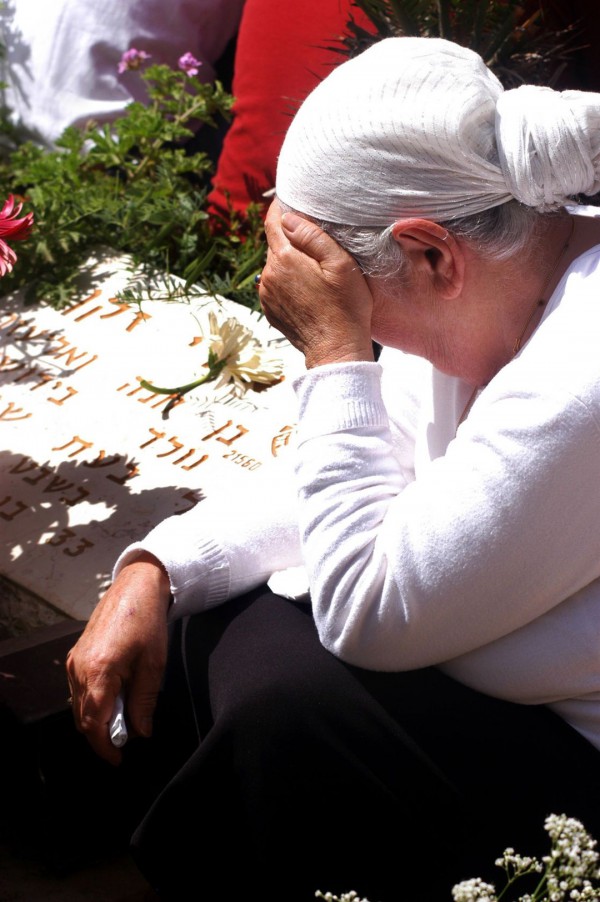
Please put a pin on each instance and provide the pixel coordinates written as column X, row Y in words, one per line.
column 540, row 302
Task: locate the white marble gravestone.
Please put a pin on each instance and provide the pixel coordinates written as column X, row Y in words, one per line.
column 89, row 460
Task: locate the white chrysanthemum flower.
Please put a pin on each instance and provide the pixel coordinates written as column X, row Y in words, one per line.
column 238, row 356
column 235, row 356
column 227, row 338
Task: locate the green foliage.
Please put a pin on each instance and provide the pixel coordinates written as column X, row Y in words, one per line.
column 133, row 186
column 514, row 42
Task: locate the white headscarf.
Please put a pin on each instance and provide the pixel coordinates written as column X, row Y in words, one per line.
column 420, row 126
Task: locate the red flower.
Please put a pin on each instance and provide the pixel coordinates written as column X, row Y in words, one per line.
column 13, row 228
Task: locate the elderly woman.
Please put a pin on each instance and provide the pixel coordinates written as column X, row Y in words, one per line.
column 441, row 694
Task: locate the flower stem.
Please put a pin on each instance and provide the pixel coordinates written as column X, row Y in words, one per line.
column 150, row 158
column 180, row 390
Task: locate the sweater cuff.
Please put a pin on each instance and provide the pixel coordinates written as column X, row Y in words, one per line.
column 197, row 584
column 339, row 397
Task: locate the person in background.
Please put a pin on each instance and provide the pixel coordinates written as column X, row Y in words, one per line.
column 62, row 56
column 283, row 51
column 63, row 59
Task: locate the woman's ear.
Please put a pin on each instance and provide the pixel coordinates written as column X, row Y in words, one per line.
column 433, row 252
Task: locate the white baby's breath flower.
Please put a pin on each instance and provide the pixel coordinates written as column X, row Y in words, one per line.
column 569, row 873
column 345, row 897
column 573, row 860
column 517, row 865
column 585, row 894
column 474, row 890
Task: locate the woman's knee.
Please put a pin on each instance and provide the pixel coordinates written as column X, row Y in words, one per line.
column 260, row 662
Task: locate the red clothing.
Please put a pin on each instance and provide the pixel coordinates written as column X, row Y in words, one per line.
column 283, row 52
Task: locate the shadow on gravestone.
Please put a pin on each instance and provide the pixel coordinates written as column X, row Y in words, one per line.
column 40, row 549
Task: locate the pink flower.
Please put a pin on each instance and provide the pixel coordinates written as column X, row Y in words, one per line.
column 189, row 64
column 14, row 228
column 132, row 59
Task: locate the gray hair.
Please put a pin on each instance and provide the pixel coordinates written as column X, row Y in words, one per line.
column 497, row 233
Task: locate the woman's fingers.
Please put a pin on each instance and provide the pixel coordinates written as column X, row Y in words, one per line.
column 143, row 688
column 289, row 229
column 313, row 291
column 93, row 692
column 123, row 648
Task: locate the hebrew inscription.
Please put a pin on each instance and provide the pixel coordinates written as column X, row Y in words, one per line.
column 90, row 460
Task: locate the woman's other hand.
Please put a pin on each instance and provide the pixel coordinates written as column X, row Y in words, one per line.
column 314, row 292
column 123, row 648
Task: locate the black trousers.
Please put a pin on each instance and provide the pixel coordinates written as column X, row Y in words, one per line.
column 296, row 772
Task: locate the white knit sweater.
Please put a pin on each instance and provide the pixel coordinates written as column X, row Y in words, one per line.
column 473, row 547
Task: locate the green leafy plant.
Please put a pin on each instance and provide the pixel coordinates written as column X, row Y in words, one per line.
column 135, row 187
column 510, row 35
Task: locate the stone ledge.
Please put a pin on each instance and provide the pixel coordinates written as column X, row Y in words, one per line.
column 22, row 612
column 33, row 683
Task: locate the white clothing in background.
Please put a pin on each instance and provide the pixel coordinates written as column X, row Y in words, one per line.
column 62, row 55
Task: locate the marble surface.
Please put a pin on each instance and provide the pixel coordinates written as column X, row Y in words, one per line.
column 22, row 612
column 89, row 460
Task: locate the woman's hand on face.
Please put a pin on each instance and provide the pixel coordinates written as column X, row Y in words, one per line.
column 314, row 292
column 123, row 648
